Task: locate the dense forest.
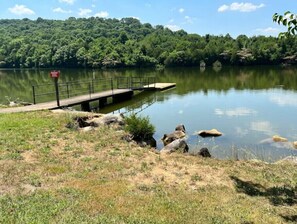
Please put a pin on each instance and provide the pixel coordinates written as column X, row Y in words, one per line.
column 97, row 42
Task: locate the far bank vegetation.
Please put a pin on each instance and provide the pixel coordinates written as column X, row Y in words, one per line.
column 111, row 43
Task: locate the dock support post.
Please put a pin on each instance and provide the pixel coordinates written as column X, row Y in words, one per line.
column 102, row 102
column 85, row 106
column 33, row 92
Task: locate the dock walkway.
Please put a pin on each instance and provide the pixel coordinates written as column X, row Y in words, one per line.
column 85, row 99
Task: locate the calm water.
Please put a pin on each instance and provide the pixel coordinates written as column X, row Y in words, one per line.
column 249, row 105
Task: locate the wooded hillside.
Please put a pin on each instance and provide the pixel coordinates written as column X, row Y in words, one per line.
column 97, row 42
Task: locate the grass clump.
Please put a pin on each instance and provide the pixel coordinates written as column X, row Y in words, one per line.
column 139, row 127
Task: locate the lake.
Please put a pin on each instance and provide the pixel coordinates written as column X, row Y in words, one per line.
column 247, row 104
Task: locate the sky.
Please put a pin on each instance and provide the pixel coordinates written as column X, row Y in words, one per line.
column 217, row 17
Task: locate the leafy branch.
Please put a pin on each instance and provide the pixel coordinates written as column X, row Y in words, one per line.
column 289, row 20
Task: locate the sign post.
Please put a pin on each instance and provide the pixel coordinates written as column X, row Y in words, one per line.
column 55, row 75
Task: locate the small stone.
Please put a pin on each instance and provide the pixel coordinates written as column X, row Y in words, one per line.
column 277, row 138
column 180, row 127
column 204, row 152
column 295, row 144
column 87, row 129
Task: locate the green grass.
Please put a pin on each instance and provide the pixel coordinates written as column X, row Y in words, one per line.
column 52, row 174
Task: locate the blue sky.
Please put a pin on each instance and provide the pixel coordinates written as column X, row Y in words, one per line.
column 218, row 17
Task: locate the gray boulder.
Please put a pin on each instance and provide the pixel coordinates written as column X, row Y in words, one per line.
column 109, row 119
column 176, row 145
column 168, row 138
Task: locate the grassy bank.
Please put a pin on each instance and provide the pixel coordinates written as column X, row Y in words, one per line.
column 52, row 174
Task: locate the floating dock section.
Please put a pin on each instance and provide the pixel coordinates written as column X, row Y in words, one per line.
column 160, row 86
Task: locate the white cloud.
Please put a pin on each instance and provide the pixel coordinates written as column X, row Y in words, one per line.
column 60, row 10
column 262, row 126
column 173, row 27
column 289, row 100
column 241, row 132
column 181, row 10
column 223, row 8
column 84, row 12
column 21, row 10
column 70, row 2
column 171, row 21
column 240, row 111
column 268, row 30
column 102, row 14
column 189, row 19
column 148, row 5
column 241, row 7
column 93, row 6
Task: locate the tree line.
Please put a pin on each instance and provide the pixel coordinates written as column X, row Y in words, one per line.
column 96, row 42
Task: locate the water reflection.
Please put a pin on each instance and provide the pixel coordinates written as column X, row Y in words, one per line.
column 140, row 102
column 263, row 126
column 288, row 100
column 240, row 111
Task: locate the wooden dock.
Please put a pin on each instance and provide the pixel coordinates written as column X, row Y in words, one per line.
column 83, row 100
column 117, row 95
column 164, row 86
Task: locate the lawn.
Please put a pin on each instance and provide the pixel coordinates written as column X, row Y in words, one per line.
column 53, row 174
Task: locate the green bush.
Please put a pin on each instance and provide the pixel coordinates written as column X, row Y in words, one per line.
column 139, row 127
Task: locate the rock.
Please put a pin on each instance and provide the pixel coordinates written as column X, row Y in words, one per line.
column 87, row 129
column 168, row 138
column 114, row 118
column 176, row 145
column 204, row 152
column 209, row 133
column 107, row 120
column 291, row 159
column 151, row 142
column 13, row 104
column 147, row 142
column 95, row 122
column 295, row 144
column 82, row 122
column 24, row 103
column 277, row 138
column 180, row 127
column 140, row 142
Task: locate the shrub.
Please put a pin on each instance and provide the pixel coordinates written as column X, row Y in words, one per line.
column 139, row 127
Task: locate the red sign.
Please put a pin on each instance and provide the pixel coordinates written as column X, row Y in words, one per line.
column 55, row 74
